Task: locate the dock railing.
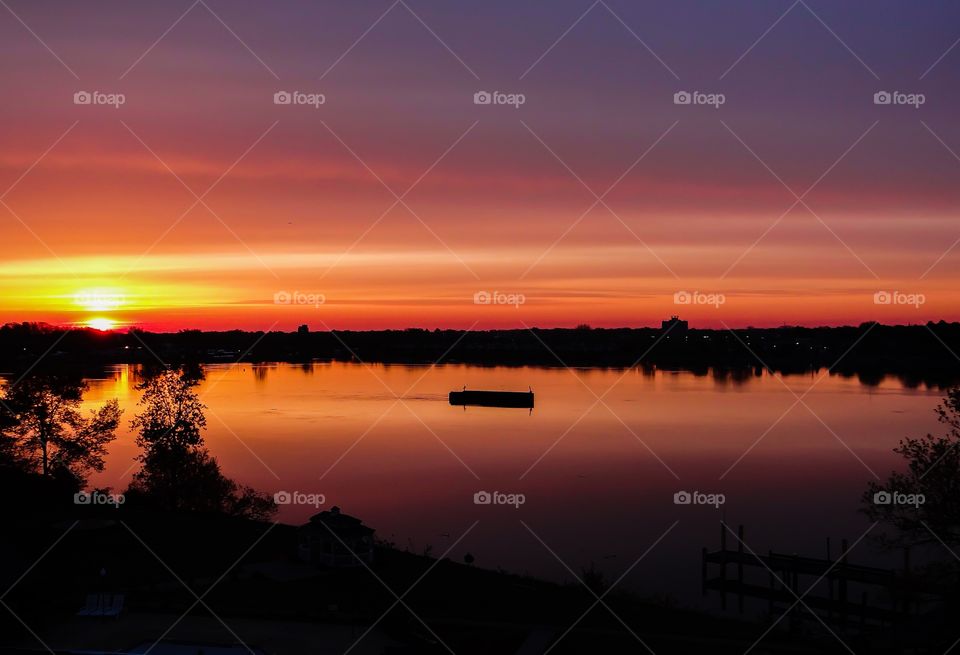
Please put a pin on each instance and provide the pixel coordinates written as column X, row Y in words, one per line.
column 886, row 596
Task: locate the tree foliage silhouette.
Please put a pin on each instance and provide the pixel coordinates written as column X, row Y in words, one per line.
column 933, row 470
column 44, row 431
column 178, row 473
column 172, row 416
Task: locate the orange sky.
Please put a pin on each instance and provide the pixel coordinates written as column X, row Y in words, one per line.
column 100, row 217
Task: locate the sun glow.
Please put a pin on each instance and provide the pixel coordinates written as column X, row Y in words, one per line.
column 102, row 324
column 99, row 300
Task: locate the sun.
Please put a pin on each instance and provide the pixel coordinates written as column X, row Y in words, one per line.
column 102, row 324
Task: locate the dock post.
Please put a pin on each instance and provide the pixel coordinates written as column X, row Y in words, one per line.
column 830, row 605
column 863, row 609
column 703, row 571
column 843, row 582
column 906, row 574
column 796, row 619
column 740, row 568
column 723, row 565
column 773, row 586
column 794, row 575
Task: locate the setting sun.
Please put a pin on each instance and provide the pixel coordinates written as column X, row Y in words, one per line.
column 102, row 324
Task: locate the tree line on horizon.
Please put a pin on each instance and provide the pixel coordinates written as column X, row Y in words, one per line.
column 916, row 354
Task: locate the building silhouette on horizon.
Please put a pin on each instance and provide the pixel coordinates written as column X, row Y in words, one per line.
column 675, row 325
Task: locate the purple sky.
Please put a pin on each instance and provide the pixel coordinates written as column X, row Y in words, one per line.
column 709, row 206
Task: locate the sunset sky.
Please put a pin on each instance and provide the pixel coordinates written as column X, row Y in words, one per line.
column 596, row 201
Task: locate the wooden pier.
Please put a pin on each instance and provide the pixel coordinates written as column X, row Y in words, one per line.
column 727, row 571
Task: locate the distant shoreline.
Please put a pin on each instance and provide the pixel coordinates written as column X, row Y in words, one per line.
column 918, row 354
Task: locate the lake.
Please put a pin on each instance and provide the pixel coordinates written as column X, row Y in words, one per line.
column 597, row 477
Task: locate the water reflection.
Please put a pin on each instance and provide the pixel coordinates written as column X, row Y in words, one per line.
column 598, row 477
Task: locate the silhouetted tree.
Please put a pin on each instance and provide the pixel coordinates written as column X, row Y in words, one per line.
column 190, row 480
column 173, row 415
column 933, row 469
column 44, row 431
column 178, row 472
column 594, row 579
column 9, row 455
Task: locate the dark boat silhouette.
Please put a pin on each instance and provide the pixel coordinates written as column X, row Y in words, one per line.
column 522, row 399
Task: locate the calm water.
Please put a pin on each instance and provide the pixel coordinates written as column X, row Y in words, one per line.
column 598, row 478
